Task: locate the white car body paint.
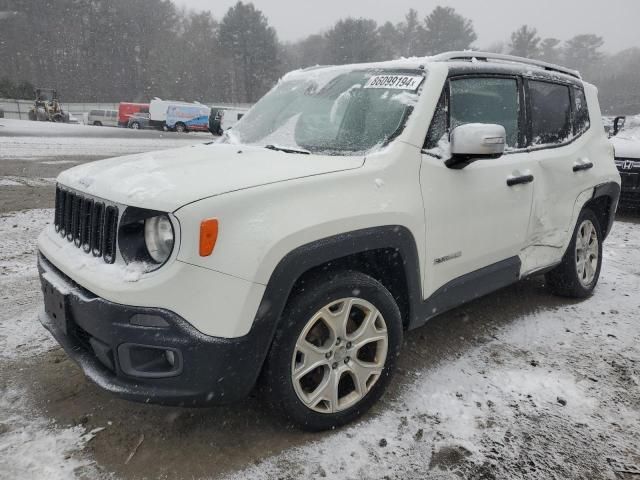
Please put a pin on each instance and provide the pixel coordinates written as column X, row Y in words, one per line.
column 269, row 203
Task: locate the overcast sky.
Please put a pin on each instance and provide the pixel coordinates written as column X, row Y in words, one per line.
column 618, row 21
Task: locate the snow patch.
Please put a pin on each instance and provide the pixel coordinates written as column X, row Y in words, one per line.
column 32, row 447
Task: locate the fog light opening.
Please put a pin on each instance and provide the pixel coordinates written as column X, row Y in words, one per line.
column 148, row 361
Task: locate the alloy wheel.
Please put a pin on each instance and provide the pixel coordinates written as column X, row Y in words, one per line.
column 587, row 256
column 339, row 355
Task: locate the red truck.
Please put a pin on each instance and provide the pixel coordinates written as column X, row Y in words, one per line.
column 126, row 109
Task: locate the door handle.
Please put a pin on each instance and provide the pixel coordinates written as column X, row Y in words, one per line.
column 511, row 181
column 579, row 167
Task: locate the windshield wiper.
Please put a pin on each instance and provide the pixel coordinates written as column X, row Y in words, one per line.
column 288, row 150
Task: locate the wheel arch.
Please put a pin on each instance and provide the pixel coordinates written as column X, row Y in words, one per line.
column 604, row 204
column 362, row 250
column 387, row 253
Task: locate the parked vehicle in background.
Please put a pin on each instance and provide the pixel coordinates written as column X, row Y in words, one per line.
column 221, row 119
column 139, row 121
column 47, row 107
column 350, row 205
column 126, row 109
column 100, row 118
column 186, row 118
column 626, row 143
column 158, row 111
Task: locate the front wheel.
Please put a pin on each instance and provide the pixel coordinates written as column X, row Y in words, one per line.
column 181, row 127
column 579, row 271
column 335, row 351
column 135, row 125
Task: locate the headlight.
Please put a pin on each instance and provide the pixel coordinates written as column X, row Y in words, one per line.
column 159, row 237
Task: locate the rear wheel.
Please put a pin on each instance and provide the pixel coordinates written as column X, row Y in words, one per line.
column 335, row 352
column 97, row 123
column 579, row 271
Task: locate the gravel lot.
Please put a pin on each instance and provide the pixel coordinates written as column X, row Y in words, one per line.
column 519, row 384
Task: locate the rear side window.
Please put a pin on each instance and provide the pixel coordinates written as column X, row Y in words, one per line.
column 581, row 122
column 95, row 113
column 550, row 113
column 486, row 100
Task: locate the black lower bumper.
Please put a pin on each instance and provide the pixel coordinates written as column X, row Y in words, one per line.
column 123, row 349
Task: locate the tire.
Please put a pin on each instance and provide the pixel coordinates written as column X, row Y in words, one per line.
column 578, row 273
column 374, row 322
column 135, row 125
column 97, row 124
column 181, row 127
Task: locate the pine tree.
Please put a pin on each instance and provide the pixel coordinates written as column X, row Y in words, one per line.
column 445, row 30
column 525, row 42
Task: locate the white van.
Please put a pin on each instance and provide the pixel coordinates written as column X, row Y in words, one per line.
column 100, row 118
column 158, row 111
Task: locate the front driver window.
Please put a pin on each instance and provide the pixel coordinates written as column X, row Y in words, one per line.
column 486, row 100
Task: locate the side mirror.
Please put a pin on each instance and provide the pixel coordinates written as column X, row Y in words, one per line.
column 475, row 141
column 618, row 124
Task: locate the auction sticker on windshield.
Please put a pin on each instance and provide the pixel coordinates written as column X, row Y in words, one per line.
column 400, row 82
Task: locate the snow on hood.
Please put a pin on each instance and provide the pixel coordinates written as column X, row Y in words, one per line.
column 626, row 148
column 169, row 179
column 627, row 142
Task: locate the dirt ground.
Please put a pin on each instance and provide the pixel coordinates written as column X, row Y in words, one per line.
column 492, row 426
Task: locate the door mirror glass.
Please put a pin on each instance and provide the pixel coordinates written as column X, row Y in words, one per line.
column 475, row 141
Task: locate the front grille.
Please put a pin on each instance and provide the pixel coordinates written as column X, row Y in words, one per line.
column 630, row 181
column 87, row 223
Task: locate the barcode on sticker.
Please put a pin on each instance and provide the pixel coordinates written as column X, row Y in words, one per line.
column 401, row 82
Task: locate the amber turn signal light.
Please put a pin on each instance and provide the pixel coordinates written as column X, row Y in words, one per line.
column 208, row 236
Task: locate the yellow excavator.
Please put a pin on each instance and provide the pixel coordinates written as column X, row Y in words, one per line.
column 47, row 107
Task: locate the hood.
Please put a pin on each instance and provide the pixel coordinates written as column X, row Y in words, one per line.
column 169, row 179
column 626, row 147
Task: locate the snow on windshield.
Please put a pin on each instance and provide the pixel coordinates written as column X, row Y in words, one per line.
column 332, row 111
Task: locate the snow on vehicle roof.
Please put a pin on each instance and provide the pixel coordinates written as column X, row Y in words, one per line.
column 455, row 59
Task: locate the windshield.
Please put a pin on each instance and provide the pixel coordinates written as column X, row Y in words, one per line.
column 332, row 112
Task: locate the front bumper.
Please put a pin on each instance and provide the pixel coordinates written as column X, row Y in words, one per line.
column 116, row 347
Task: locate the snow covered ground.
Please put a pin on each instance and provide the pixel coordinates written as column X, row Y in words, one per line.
column 24, row 140
column 554, row 393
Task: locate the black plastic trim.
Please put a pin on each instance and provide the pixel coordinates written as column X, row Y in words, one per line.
column 470, row 287
column 511, row 181
column 611, row 190
column 213, row 370
column 395, row 237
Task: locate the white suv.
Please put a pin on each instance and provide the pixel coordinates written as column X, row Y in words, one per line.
column 351, row 204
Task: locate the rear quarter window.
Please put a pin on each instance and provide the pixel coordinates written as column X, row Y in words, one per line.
column 581, row 122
